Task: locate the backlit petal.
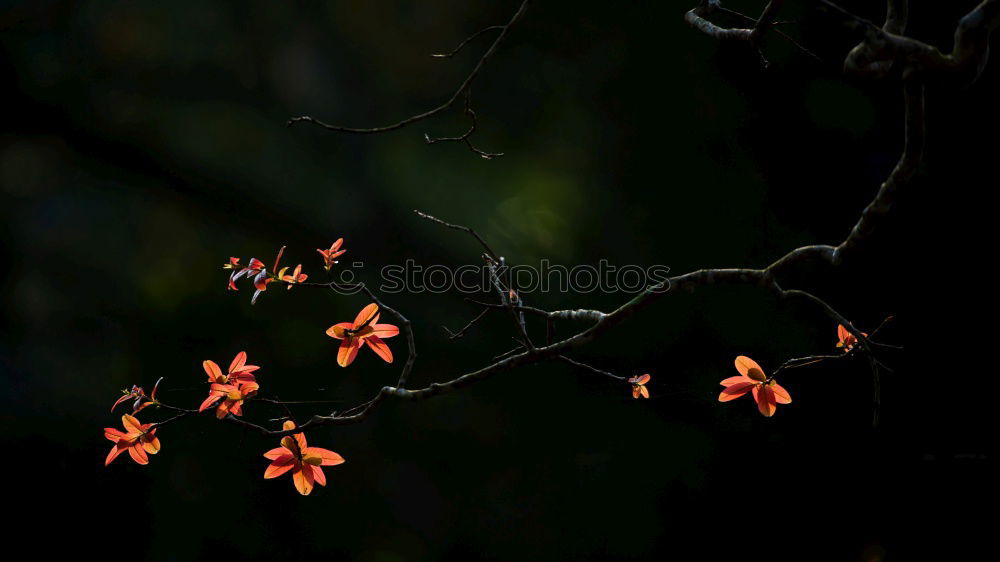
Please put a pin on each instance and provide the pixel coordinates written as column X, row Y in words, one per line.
column 644, row 391
column 131, row 424
column 279, row 466
column 749, row 368
column 734, row 391
column 329, row 457
column 385, row 330
column 380, row 348
column 115, row 451
column 138, row 455
column 318, row 475
column 238, row 362
column 368, row 315
column 781, row 395
column 733, row 380
column 214, row 373
column 338, row 330
column 348, row 351
column 113, row 434
column 765, row 400
column 303, row 479
column 842, row 333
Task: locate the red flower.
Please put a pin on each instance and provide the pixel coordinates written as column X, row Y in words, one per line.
column 330, row 256
column 230, row 398
column 766, row 392
column 230, row 390
column 364, row 330
column 639, row 386
column 296, row 277
column 138, row 439
column 847, row 339
column 239, row 371
column 294, row 454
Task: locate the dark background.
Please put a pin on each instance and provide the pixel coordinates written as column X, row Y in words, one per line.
column 143, row 143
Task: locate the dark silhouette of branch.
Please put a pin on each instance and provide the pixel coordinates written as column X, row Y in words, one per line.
column 462, row 90
column 461, row 333
column 880, row 46
column 468, row 39
column 465, row 136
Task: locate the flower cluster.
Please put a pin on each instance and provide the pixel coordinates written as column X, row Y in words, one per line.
column 639, row 386
column 766, row 392
column 138, row 439
column 229, row 391
column 303, row 461
column 365, row 330
column 256, row 271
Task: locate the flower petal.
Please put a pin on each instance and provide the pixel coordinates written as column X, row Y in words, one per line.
column 348, row 351
column 379, row 347
column 276, row 453
column 368, row 315
column 642, row 379
column 115, row 451
column 734, row 391
column 843, row 334
column 131, row 424
column 279, row 466
column 749, row 368
column 113, row 434
column 238, row 362
column 329, row 457
column 765, row 400
column 151, row 445
column 318, row 475
column 138, row 455
column 213, row 370
column 733, row 380
column 303, row 479
column 385, row 330
column 644, row 391
column 781, row 395
column 338, row 330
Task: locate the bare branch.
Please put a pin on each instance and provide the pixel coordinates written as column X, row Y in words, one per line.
column 467, row 40
column 464, row 87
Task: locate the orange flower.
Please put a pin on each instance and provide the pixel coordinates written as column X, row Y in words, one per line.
column 766, row 392
column 230, row 398
column 330, row 256
column 138, row 439
column 847, row 339
column 141, row 400
column 296, row 277
column 639, row 386
column 239, row 371
column 294, row 454
column 364, row 330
